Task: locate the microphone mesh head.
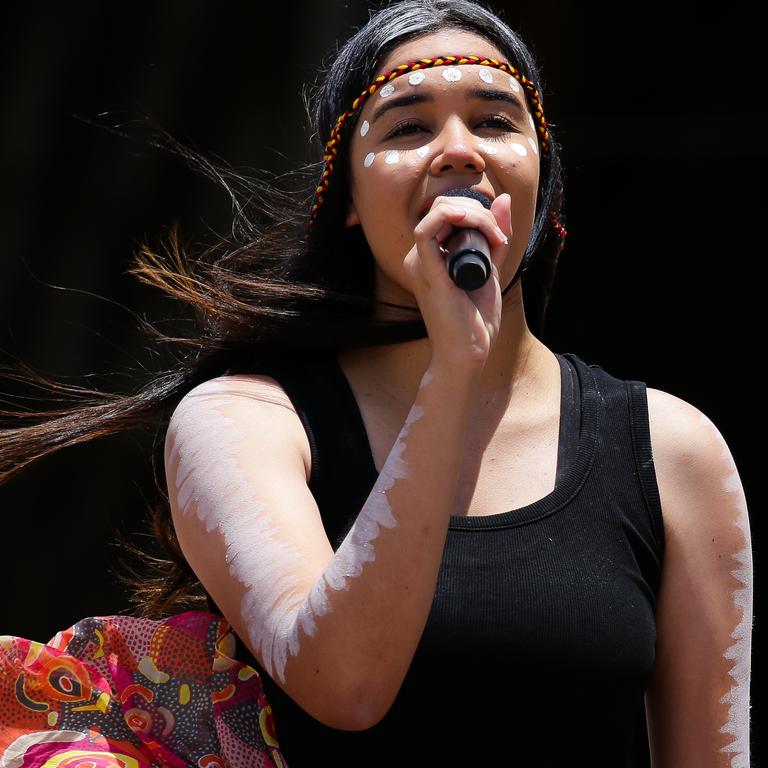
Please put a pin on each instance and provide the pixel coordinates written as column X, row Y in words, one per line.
column 467, row 192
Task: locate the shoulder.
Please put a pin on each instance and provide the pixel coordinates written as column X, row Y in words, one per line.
column 237, row 389
column 683, row 436
column 256, row 402
column 695, row 469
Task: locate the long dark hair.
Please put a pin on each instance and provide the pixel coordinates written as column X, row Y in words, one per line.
column 265, row 292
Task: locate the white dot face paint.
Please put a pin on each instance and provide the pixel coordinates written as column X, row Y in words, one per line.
column 488, row 149
column 534, row 146
column 452, row 74
column 386, row 90
column 391, row 157
column 520, row 149
column 486, row 74
column 423, row 151
column 369, row 158
column 214, row 476
column 364, row 127
column 530, row 120
column 416, row 77
column 513, row 84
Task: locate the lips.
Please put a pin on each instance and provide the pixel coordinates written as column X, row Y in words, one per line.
column 430, row 200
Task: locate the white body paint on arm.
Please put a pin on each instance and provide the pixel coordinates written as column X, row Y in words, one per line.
column 698, row 698
column 740, row 652
column 212, row 482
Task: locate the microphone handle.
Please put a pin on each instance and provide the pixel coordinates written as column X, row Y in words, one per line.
column 469, row 265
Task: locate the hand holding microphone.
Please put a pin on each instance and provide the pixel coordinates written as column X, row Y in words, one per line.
column 453, row 246
column 468, row 259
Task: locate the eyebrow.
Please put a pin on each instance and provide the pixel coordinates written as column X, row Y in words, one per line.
column 486, row 94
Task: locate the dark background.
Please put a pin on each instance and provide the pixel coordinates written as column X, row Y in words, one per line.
column 661, row 112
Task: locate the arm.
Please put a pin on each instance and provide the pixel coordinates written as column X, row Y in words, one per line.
column 336, row 631
column 698, row 699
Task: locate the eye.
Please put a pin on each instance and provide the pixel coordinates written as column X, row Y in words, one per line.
column 501, row 127
column 408, row 127
column 499, row 121
column 402, row 129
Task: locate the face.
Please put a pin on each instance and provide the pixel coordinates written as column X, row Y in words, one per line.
column 402, row 155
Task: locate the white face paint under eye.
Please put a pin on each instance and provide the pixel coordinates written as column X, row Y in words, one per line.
column 416, row 77
column 520, row 149
column 387, row 90
column 452, row 74
column 423, row 151
column 486, row 74
column 391, row 157
column 488, row 149
column 369, row 158
column 534, row 146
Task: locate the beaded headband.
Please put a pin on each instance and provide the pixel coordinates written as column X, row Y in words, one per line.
column 332, row 147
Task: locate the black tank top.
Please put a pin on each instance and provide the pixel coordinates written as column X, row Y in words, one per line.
column 541, row 638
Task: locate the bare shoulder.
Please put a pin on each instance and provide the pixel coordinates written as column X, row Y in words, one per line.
column 256, row 399
column 242, row 388
column 674, row 424
column 691, row 457
column 681, row 433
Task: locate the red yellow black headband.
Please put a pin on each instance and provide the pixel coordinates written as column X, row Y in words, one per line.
column 332, row 147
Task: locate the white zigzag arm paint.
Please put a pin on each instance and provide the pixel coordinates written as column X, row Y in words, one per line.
column 211, row 483
column 740, row 651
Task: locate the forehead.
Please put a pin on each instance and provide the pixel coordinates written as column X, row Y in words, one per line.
column 475, row 80
column 446, row 42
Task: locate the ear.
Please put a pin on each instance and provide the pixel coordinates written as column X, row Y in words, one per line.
column 352, row 217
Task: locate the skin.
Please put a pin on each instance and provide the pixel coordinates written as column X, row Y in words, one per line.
column 276, row 613
column 698, row 697
column 422, row 149
column 252, row 532
column 520, row 375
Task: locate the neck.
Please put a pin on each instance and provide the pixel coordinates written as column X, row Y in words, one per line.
column 519, row 368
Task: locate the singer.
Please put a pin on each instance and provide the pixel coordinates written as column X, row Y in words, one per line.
column 401, row 529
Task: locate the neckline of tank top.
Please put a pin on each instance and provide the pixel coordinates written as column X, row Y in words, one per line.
column 575, row 474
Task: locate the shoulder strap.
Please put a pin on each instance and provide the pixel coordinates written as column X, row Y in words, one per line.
column 341, row 476
column 570, row 418
column 641, row 444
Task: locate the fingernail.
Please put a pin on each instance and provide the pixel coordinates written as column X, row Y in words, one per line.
column 501, row 232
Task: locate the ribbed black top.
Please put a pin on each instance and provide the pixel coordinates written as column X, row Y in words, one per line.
column 541, row 637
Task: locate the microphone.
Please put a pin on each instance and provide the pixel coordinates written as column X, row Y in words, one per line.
column 468, row 260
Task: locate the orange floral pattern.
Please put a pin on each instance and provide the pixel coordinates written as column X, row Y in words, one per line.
column 127, row 692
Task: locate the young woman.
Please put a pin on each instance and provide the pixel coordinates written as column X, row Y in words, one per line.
column 433, row 537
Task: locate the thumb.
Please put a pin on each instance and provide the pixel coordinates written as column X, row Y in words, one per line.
column 501, row 208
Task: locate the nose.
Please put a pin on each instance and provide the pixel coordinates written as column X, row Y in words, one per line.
column 457, row 150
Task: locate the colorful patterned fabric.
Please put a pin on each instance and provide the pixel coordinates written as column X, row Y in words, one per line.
column 127, row 692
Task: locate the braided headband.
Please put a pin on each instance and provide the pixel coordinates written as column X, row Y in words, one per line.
column 332, row 147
